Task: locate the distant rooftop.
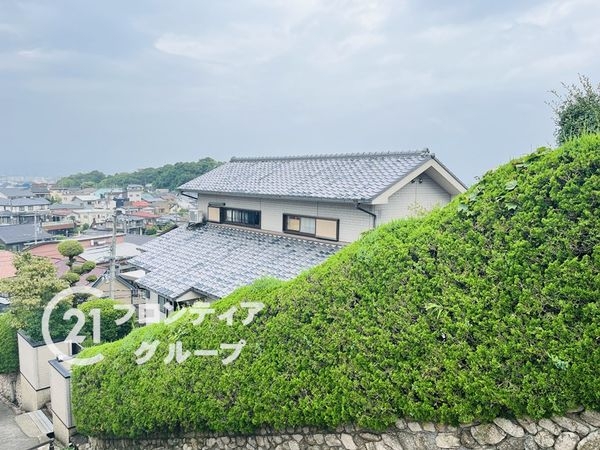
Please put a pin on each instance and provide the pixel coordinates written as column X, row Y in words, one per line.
column 101, row 254
column 15, row 193
column 7, row 269
column 20, row 234
column 18, row 201
column 347, row 177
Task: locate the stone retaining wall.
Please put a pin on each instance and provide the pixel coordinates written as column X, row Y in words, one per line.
column 10, row 387
column 577, row 430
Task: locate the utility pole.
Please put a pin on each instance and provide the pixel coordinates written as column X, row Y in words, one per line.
column 35, row 230
column 113, row 256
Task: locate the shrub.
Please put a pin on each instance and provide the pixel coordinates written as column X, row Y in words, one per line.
column 109, row 330
column 88, row 266
column 487, row 307
column 71, row 278
column 91, row 278
column 9, row 353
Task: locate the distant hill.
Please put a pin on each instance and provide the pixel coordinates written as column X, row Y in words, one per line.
column 166, row 177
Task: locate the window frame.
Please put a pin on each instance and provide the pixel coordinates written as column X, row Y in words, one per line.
column 223, row 215
column 314, row 235
column 162, row 300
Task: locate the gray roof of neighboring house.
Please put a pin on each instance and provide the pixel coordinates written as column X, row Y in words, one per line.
column 138, row 239
column 151, row 198
column 66, row 206
column 329, row 177
column 17, row 234
column 87, row 197
column 26, row 202
column 214, row 260
column 100, row 254
column 16, row 192
column 40, row 188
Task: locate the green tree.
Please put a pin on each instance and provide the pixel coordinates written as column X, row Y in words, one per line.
column 577, row 111
column 90, row 179
column 30, row 290
column 70, row 249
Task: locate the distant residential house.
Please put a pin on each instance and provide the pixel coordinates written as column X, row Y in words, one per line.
column 138, row 206
column 40, row 190
column 12, row 193
column 276, row 217
column 135, row 192
column 130, row 222
column 61, row 194
column 148, row 217
column 92, row 216
column 16, row 237
column 159, row 205
column 19, row 206
column 88, row 201
column 110, row 196
column 66, row 195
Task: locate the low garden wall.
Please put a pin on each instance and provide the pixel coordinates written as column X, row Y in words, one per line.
column 577, row 430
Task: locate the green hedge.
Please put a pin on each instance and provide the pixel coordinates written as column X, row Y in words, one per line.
column 9, row 353
column 487, row 307
column 109, row 330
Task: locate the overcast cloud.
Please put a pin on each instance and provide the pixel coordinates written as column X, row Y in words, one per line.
column 120, row 85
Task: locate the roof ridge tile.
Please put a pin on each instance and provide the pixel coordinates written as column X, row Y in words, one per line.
column 365, row 155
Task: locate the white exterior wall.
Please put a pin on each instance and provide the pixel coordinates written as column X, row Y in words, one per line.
column 413, row 199
column 35, row 372
column 408, row 201
column 352, row 221
column 89, row 215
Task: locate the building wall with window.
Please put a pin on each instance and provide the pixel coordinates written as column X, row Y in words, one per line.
column 422, row 195
column 352, row 221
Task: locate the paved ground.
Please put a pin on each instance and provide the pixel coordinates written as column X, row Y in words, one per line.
column 11, row 436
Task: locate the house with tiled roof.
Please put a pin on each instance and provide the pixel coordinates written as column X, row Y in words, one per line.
column 20, row 206
column 278, row 216
column 16, row 237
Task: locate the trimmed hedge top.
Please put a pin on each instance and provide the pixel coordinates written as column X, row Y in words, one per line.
column 487, row 307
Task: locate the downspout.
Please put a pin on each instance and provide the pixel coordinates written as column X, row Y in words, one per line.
column 373, row 215
column 188, row 196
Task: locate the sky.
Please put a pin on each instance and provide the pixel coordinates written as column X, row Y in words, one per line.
column 117, row 85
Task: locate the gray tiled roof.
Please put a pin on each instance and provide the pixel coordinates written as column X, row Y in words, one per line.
column 16, row 192
column 26, row 202
column 17, row 234
column 335, row 177
column 215, row 260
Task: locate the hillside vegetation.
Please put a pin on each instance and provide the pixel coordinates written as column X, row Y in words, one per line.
column 487, row 307
column 169, row 176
